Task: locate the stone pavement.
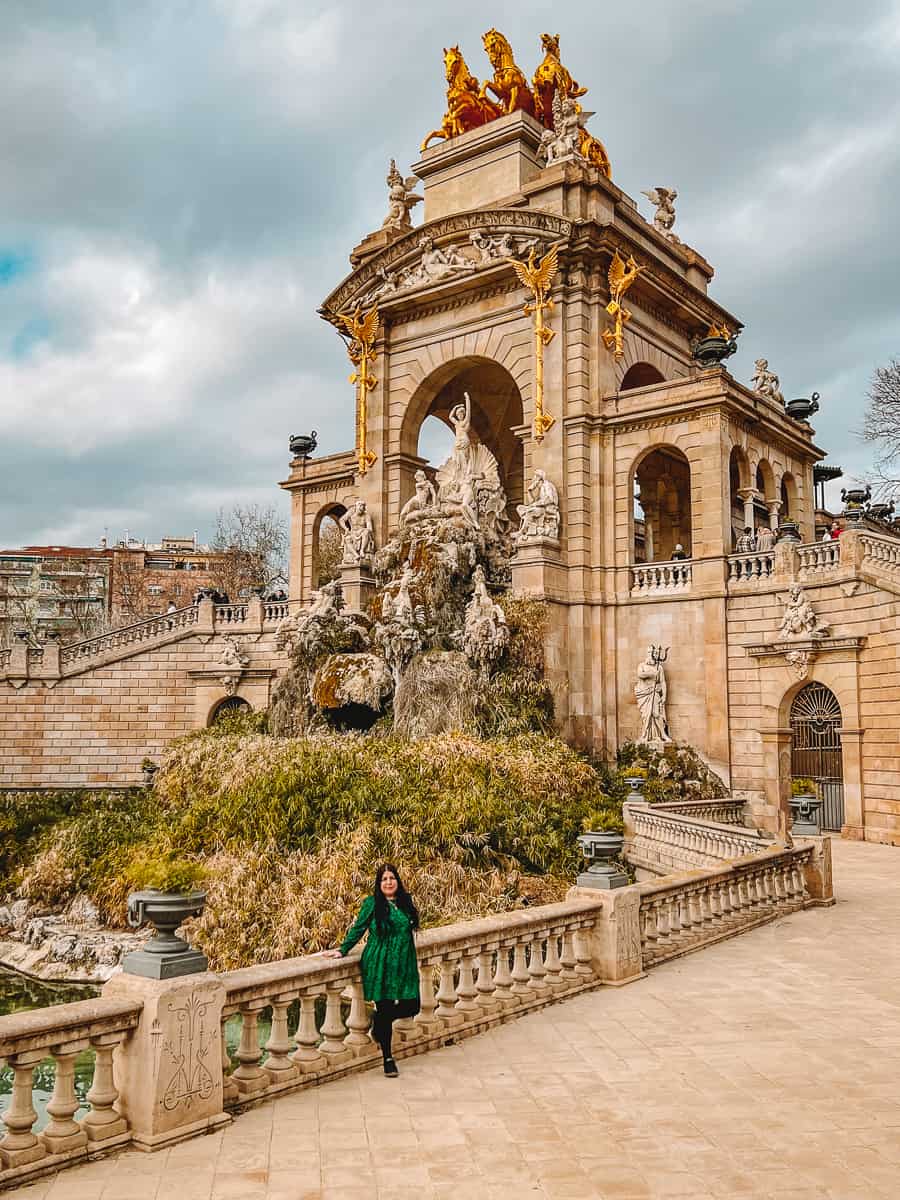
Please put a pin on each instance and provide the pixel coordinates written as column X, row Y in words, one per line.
column 768, row 1065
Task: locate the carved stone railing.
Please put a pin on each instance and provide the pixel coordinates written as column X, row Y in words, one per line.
column 661, row 578
column 472, row 975
column 880, row 552
column 726, row 811
column 128, row 635
column 818, row 556
column 276, row 610
column 61, row 1033
column 660, row 840
column 747, row 568
column 230, row 614
column 684, row 913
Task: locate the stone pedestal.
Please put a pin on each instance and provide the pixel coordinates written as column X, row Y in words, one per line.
column 537, row 569
column 616, row 936
column 373, row 244
column 358, row 586
column 169, row 1071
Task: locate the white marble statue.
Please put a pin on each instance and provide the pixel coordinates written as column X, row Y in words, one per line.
column 799, row 619
column 485, row 633
column 470, row 476
column 651, row 692
column 402, row 199
column 423, row 502
column 562, row 143
column 664, row 217
column 766, row 382
column 357, row 535
column 498, row 247
column 327, row 600
column 539, row 515
column 231, row 654
column 439, row 263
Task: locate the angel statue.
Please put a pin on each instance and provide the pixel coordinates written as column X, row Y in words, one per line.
column 664, row 217
column 402, row 199
column 562, row 143
column 766, row 382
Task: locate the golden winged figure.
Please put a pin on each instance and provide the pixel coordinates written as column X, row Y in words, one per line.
column 363, row 329
column 537, row 277
column 622, row 275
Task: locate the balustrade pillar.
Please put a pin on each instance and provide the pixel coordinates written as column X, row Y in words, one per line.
column 308, row 1057
column 465, row 989
column 427, row 1018
column 230, row 1090
column 520, row 975
column 249, row 1076
column 279, row 1066
column 20, row 1146
column 446, row 995
column 567, row 958
column 537, row 974
column 333, row 1028
column 503, row 980
column 485, row 984
column 63, row 1133
column 102, row 1121
column 552, row 964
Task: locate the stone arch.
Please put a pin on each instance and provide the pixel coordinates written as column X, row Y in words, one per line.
column 640, row 350
column 227, row 706
column 333, row 510
column 764, row 480
column 787, row 493
column 639, row 375
column 661, row 484
column 739, row 479
column 497, row 410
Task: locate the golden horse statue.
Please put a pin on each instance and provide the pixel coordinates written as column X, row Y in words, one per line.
column 467, row 108
column 509, row 84
column 552, row 79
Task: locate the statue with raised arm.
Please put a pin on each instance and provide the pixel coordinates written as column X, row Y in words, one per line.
column 664, row 217
column 766, row 382
column 651, row 692
column 402, row 199
column 423, row 502
column 357, row 535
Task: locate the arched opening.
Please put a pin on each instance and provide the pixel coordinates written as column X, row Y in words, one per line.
column 227, row 709
column 765, row 493
column 641, row 374
column 738, row 481
column 816, row 748
column 496, row 411
column 788, row 496
column 662, row 506
column 327, row 547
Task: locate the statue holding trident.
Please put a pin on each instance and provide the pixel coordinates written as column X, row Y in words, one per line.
column 651, row 692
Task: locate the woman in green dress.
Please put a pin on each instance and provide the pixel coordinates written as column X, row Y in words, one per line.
column 390, row 973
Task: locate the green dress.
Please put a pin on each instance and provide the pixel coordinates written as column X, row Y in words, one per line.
column 388, row 964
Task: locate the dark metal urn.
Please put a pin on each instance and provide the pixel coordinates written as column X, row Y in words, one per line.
column 881, row 512
column 855, row 500
column 806, row 818
column 598, row 848
column 803, row 409
column 712, row 351
column 165, row 956
column 302, row 445
column 788, row 531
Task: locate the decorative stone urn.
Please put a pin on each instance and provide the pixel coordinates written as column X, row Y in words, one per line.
column 165, row 956
column 149, row 770
column 806, row 818
column 635, row 787
column 802, row 409
column 598, row 848
column 855, row 500
column 788, row 531
column 302, row 445
column 712, row 351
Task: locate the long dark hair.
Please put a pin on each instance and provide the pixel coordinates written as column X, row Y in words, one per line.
column 403, row 900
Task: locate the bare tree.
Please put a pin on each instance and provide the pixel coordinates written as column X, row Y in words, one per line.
column 882, row 422
column 330, row 551
column 251, row 546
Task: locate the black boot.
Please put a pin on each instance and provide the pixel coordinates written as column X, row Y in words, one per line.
column 390, row 1067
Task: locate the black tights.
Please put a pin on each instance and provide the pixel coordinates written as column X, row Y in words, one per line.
column 386, row 1013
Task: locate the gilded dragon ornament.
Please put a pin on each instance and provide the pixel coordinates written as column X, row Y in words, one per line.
column 363, row 331
column 621, row 276
column 537, row 277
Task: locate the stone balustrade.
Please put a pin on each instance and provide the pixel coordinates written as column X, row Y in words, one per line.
column 128, row 635
column 61, row 1033
column 661, row 578
column 684, row 913
column 660, row 840
column 880, row 552
column 820, row 556
column 725, row 811
column 275, row 611
column 230, row 614
column 747, row 568
column 472, row 975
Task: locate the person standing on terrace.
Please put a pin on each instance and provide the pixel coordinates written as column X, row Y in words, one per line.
column 390, row 972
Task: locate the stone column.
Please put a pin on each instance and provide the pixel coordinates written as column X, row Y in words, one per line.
column 169, row 1071
column 777, row 780
column 854, row 826
column 748, row 497
column 774, row 507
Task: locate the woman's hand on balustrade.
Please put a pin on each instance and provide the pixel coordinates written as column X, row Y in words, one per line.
column 330, row 954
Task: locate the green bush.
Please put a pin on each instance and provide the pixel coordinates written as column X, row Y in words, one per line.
column 803, row 786
column 164, row 871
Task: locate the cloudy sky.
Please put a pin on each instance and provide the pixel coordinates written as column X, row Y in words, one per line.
column 182, row 181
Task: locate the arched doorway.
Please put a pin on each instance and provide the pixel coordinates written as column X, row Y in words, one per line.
column 816, row 748
column 327, row 545
column 662, row 517
column 231, row 706
column 640, row 374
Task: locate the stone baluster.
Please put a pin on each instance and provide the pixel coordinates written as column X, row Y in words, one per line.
column 649, row 941
column 357, row 1039
column 685, row 916
column 673, row 906
column 661, row 909
column 249, row 1075
column 279, row 1066
column 797, row 885
column 333, row 1029
column 466, row 994
column 427, row 1019
column 63, row 1133
column 520, row 974
column 537, row 972
column 230, row 1090
column 308, row 1057
column 485, row 985
column 567, row 958
column 20, row 1146
column 552, row 963
column 585, row 967
column 723, row 898
column 102, row 1122
column 503, row 980
column 446, row 996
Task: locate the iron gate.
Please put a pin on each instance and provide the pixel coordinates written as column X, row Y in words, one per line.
column 816, row 748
